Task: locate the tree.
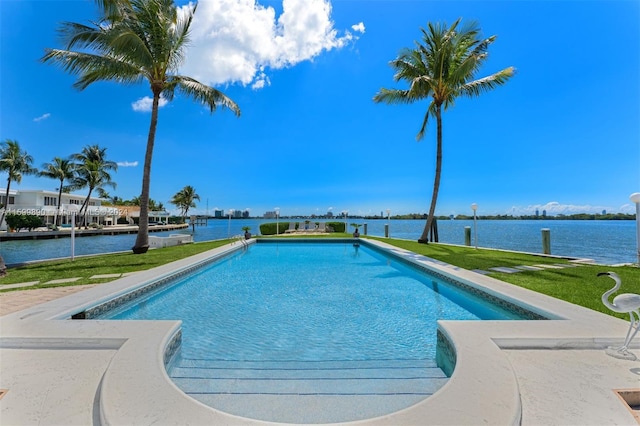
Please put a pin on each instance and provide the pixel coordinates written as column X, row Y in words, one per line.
column 443, row 67
column 185, row 198
column 16, row 163
column 62, row 170
column 134, row 41
column 92, row 171
column 92, row 175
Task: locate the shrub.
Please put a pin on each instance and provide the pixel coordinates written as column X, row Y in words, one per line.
column 19, row 221
column 176, row 220
column 270, row 228
column 336, row 226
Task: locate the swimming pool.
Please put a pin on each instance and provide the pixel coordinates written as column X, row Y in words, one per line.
column 299, row 319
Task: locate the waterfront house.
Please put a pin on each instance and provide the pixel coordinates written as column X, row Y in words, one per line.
column 45, row 205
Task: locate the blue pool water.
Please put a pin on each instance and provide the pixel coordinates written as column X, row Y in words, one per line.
column 309, row 332
column 307, row 301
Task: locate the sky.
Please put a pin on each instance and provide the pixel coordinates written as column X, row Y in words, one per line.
column 563, row 135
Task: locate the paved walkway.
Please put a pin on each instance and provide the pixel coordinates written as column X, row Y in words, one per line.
column 13, row 301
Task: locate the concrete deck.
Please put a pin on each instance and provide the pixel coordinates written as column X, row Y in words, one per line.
column 553, row 372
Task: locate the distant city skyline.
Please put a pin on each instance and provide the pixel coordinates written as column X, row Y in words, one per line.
column 562, row 136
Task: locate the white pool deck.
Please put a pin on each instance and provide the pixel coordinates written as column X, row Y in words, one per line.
column 57, row 371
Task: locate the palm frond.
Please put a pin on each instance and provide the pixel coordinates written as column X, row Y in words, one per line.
column 204, row 94
column 485, row 84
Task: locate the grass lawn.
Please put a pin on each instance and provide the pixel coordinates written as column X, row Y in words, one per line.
column 87, row 266
column 579, row 285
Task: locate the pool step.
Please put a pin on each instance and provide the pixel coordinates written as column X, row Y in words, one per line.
column 308, row 389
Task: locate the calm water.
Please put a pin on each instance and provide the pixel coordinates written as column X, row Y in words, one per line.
column 607, row 242
column 342, row 301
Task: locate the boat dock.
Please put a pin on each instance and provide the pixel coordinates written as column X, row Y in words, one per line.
column 66, row 232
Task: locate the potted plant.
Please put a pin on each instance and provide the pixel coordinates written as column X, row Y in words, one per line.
column 356, row 233
column 247, row 234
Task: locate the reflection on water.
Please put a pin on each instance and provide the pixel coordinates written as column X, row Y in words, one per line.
column 607, row 242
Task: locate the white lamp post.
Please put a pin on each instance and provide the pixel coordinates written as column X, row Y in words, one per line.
column 277, row 209
column 346, row 214
column 229, row 228
column 474, row 207
column 635, row 198
column 72, row 209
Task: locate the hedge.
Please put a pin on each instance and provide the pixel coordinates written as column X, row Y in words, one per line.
column 19, row 221
column 336, row 226
column 270, row 228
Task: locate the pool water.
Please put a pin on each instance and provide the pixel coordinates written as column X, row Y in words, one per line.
column 309, row 332
column 313, row 302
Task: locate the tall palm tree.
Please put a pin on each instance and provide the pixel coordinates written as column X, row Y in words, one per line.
column 442, row 67
column 16, row 163
column 92, row 175
column 178, row 201
column 92, row 160
column 62, row 170
column 135, row 41
column 185, row 198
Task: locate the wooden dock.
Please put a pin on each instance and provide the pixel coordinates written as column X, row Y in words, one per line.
column 66, row 232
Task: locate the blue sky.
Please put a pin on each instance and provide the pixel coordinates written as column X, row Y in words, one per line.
column 562, row 135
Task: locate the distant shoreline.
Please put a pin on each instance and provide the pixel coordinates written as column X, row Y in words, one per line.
column 66, row 232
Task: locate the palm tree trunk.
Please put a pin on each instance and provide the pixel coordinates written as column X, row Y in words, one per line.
column 142, row 239
column 85, row 206
column 6, row 199
column 55, row 222
column 3, row 267
column 424, row 238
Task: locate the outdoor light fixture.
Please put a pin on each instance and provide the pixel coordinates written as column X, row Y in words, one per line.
column 229, row 228
column 277, row 209
column 635, row 198
column 474, row 207
column 73, row 210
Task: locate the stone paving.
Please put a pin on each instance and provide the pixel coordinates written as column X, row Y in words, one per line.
column 13, row 301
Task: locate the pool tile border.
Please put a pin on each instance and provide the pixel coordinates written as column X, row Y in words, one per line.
column 99, row 310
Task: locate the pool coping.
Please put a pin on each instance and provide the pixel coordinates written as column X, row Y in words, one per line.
column 135, row 390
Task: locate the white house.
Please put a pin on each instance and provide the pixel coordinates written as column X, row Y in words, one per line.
column 45, row 204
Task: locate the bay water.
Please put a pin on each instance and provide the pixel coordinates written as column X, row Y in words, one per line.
column 606, row 242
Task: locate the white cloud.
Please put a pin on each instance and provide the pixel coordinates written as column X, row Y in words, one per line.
column 42, row 117
column 235, row 40
column 145, row 104
column 127, row 163
column 358, row 27
column 554, row 208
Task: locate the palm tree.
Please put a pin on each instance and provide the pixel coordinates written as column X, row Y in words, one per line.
column 92, row 175
column 442, row 67
column 92, row 171
column 134, row 41
column 185, row 198
column 62, row 170
column 178, row 201
column 16, row 163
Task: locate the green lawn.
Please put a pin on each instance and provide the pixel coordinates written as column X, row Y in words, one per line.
column 87, row 266
column 579, row 285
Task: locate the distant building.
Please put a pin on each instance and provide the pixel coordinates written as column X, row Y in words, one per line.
column 237, row 213
column 544, row 213
column 269, row 215
column 245, row 214
column 329, row 214
column 218, row 213
column 604, row 212
column 44, row 204
column 537, row 212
